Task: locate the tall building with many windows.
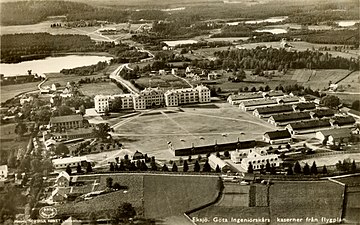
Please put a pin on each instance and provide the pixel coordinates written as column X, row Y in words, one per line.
column 177, row 97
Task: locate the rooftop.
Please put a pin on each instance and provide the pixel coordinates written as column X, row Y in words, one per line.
column 69, row 118
column 275, row 109
column 245, row 96
column 344, row 120
column 69, row 160
column 305, row 105
column 336, row 132
column 259, row 102
column 323, row 112
column 310, row 124
column 279, row 134
column 291, row 116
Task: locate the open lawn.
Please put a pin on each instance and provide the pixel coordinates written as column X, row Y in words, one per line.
column 64, row 79
column 306, row 199
column 351, row 83
column 10, row 91
column 166, row 195
column 103, row 88
column 200, row 126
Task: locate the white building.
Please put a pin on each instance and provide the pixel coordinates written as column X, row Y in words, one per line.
column 153, row 96
column 258, row 158
column 215, row 161
column 101, row 103
column 69, row 161
column 4, row 171
column 176, row 97
column 277, row 137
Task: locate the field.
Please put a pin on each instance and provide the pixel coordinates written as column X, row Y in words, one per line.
column 173, row 195
column 331, row 159
column 103, row 88
column 318, row 79
column 166, row 82
column 303, row 46
column 182, row 193
column 306, row 199
column 10, row 91
column 351, row 83
column 200, row 126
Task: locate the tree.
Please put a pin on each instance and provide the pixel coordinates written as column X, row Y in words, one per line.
column 227, row 154
column 112, row 167
column 124, row 212
column 306, row 169
column 250, row 168
column 207, row 167
column 165, row 168
column 331, row 101
column 153, row 165
column 196, row 166
column 78, row 168
column 268, row 167
column 289, row 171
column 324, row 170
column 143, row 166
column 189, row 158
column 297, row 168
column 116, row 186
column 89, row 168
column 109, row 182
column 68, row 170
column 356, row 105
column 174, row 168
column 116, row 105
column 101, row 131
column 218, row 154
column 353, row 167
column 217, row 169
column 267, row 88
column 122, row 166
column 82, row 110
column 273, row 170
column 62, row 149
column 253, row 89
column 313, row 169
column 92, row 218
column 35, row 165
column 185, row 166
column 21, row 129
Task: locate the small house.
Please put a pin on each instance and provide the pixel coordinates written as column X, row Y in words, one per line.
column 215, row 161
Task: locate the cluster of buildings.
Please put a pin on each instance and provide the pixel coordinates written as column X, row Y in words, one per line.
column 298, row 115
column 150, row 97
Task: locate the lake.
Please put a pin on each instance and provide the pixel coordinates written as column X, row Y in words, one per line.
column 347, row 23
column 268, row 20
column 273, row 30
column 50, row 64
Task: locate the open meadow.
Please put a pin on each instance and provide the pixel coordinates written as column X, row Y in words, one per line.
column 103, row 88
column 9, row 91
column 150, row 133
column 306, row 199
column 166, row 82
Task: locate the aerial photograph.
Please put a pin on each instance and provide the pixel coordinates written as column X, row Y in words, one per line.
column 179, row 112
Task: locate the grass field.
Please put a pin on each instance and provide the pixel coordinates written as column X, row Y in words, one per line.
column 351, row 83
column 173, row 195
column 201, row 126
column 103, row 88
column 166, row 82
column 306, row 199
column 10, row 91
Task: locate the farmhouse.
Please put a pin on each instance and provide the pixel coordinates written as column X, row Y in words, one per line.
column 304, row 106
column 334, row 136
column 268, row 111
column 238, row 98
column 308, row 126
column 322, row 113
column 68, row 122
column 277, row 137
column 253, row 104
column 215, row 161
column 62, row 163
column 343, row 121
column 284, row 118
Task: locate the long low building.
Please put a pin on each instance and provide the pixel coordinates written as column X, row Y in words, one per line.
column 265, row 112
column 215, row 161
column 310, row 126
column 72, row 162
column 343, row 121
column 238, row 98
column 258, row 158
column 334, row 136
column 285, row 118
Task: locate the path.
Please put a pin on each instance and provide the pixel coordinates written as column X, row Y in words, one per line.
column 127, row 84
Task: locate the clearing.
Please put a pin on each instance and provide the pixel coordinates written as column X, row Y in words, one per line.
column 103, row 88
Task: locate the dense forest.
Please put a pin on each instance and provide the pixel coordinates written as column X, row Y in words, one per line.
column 15, row 46
column 272, row 59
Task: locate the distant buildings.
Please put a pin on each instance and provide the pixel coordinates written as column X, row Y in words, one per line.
column 308, row 126
column 150, row 97
column 3, row 172
column 62, row 163
column 334, row 136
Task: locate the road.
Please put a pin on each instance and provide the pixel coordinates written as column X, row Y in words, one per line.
column 115, row 75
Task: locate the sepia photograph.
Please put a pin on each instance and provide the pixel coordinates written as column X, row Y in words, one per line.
column 179, row 112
